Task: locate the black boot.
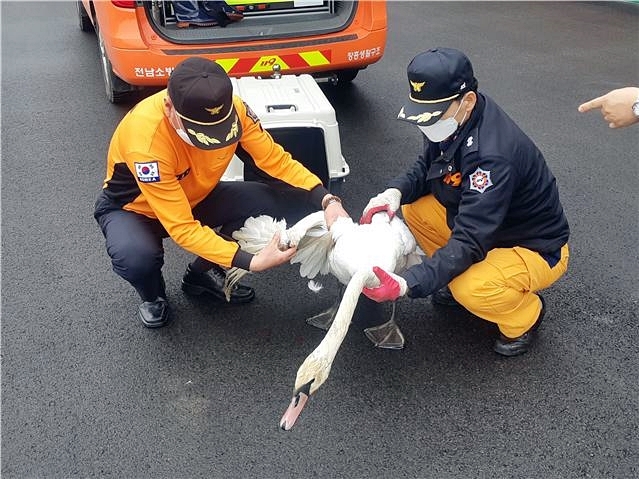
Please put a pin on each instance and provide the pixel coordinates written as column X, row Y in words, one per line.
column 212, row 283
column 521, row 344
column 154, row 314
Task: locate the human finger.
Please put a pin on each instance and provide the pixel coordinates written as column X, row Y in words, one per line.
column 367, row 217
column 382, row 275
column 589, row 105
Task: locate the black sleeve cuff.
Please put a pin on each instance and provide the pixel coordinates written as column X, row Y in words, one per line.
column 415, row 291
column 242, row 259
column 316, row 195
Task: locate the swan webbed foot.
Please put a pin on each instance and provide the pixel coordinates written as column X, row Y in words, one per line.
column 387, row 335
column 324, row 319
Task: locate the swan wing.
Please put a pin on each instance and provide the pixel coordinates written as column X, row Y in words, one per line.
column 314, row 243
column 405, row 238
column 313, row 253
column 309, row 234
column 253, row 237
column 258, row 232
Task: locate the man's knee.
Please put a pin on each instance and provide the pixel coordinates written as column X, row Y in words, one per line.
column 478, row 294
column 134, row 262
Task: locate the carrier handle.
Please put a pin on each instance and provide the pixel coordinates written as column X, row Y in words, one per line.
column 289, row 107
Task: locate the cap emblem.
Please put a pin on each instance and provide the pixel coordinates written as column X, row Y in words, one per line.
column 215, row 110
column 208, row 140
column 417, row 86
column 234, row 130
column 202, row 138
column 421, row 118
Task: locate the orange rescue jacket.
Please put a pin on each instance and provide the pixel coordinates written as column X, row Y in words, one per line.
column 153, row 172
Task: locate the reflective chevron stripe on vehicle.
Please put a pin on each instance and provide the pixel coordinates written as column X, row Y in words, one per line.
column 237, row 66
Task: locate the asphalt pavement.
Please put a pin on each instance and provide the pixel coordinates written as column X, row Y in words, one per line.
column 88, row 392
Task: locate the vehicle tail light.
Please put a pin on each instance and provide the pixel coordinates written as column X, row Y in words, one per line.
column 124, row 3
column 250, row 8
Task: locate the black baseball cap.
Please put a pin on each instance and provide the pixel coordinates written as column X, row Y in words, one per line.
column 436, row 78
column 202, row 95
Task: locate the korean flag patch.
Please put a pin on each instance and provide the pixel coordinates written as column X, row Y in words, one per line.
column 480, row 180
column 147, row 172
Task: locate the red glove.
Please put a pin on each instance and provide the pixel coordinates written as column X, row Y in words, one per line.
column 390, row 288
column 388, row 200
column 368, row 216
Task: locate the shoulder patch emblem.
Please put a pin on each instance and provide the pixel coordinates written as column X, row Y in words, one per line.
column 251, row 114
column 480, row 180
column 469, row 142
column 147, row 172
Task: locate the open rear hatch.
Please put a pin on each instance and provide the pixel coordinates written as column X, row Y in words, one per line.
column 262, row 20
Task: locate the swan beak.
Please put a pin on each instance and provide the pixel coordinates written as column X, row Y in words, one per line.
column 295, row 408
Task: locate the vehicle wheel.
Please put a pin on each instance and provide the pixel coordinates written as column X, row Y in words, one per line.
column 83, row 18
column 346, row 76
column 117, row 90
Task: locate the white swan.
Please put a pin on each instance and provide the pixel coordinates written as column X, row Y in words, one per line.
column 348, row 251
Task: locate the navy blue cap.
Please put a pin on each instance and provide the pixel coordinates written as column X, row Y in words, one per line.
column 436, row 78
column 202, row 95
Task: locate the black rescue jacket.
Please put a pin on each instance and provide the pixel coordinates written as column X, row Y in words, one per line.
column 497, row 190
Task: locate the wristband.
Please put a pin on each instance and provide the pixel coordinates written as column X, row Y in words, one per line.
column 329, row 200
column 635, row 108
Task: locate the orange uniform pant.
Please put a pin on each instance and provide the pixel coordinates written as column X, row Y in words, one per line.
column 501, row 288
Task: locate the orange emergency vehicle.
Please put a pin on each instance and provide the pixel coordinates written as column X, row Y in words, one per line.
column 140, row 42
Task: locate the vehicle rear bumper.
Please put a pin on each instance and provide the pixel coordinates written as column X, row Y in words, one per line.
column 152, row 67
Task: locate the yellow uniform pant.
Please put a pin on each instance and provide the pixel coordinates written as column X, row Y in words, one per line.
column 500, row 288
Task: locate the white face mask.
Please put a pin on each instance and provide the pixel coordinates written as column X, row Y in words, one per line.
column 182, row 134
column 442, row 129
